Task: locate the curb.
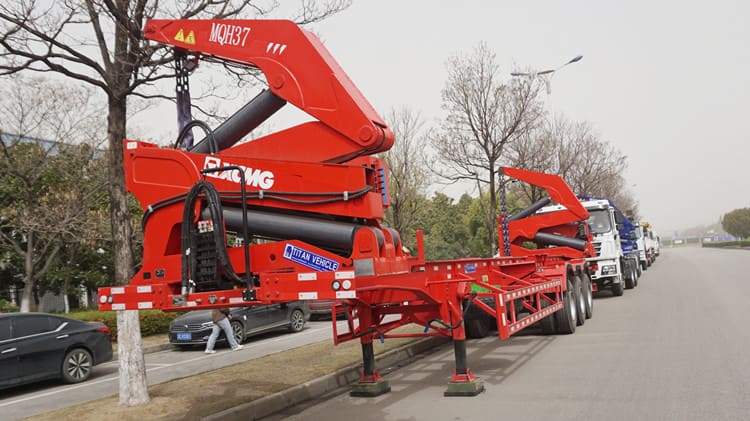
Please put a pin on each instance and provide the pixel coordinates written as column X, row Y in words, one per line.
column 316, row 388
column 148, row 349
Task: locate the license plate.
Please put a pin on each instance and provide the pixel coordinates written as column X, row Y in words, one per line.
column 186, row 336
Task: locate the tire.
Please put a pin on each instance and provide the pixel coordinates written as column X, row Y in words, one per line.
column 566, row 319
column 548, row 323
column 296, row 320
column 629, row 280
column 617, row 289
column 477, row 328
column 635, row 277
column 238, row 331
column 581, row 300
column 588, row 296
column 644, row 266
column 77, row 365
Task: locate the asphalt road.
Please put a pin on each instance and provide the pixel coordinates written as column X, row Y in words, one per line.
column 675, row 348
column 161, row 366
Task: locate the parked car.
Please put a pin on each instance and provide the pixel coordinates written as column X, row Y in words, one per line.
column 321, row 309
column 193, row 328
column 41, row 346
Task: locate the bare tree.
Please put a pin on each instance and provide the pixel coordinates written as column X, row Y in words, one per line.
column 48, row 184
column 408, row 174
column 590, row 166
column 483, row 116
column 100, row 43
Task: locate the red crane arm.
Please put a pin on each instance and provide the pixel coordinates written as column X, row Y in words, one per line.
column 298, row 68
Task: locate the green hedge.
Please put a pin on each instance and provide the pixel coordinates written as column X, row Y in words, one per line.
column 730, row 244
column 7, row 307
column 153, row 322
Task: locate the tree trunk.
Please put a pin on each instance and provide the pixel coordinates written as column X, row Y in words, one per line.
column 27, row 297
column 133, row 384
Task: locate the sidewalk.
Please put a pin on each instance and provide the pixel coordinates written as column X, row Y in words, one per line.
column 153, row 343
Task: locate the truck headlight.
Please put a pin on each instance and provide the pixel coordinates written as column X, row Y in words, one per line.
column 609, row 269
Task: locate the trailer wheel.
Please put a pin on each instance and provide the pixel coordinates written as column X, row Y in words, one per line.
column 644, row 266
column 588, row 295
column 477, row 328
column 580, row 300
column 566, row 319
column 617, row 289
column 548, row 323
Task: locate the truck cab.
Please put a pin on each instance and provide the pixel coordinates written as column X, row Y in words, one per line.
column 609, row 255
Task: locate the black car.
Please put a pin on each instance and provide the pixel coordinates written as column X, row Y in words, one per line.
column 40, row 346
column 194, row 328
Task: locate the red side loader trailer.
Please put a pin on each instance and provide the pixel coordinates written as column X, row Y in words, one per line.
column 297, row 215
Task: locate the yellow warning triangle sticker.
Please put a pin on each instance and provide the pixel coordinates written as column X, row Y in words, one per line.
column 190, row 39
column 180, row 36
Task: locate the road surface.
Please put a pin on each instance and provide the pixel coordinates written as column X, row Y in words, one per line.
column 675, row 348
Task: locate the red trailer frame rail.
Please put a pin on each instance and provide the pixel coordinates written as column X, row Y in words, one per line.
column 296, row 215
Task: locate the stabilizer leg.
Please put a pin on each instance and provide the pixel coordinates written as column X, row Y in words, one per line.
column 463, row 382
column 371, row 383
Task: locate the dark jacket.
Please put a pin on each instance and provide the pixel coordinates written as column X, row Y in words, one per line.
column 219, row 313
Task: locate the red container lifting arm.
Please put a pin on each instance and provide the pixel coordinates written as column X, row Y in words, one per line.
column 299, row 69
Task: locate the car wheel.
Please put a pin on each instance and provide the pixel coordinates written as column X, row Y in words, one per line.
column 296, row 320
column 238, row 331
column 77, row 365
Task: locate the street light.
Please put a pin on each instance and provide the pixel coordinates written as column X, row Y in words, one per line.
column 544, row 75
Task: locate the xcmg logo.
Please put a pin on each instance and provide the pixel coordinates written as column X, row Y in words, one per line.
column 255, row 178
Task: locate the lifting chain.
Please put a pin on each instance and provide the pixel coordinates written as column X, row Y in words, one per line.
column 182, row 95
column 504, row 216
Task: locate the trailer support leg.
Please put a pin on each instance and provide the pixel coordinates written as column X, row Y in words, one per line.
column 371, row 383
column 463, row 382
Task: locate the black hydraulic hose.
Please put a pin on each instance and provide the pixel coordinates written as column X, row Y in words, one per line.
column 213, row 146
column 267, row 195
column 189, row 260
column 243, row 197
column 463, row 316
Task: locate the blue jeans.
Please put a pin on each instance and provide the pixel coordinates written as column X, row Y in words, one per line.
column 222, row 324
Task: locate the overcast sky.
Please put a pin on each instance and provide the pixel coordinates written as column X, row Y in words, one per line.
column 666, row 82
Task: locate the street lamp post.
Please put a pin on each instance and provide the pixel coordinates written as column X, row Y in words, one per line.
column 544, row 75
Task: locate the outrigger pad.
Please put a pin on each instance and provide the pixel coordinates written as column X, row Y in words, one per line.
column 470, row 388
column 370, row 390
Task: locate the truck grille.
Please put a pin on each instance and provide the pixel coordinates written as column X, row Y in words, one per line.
column 598, row 248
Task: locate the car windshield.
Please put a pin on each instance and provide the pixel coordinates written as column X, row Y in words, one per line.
column 599, row 221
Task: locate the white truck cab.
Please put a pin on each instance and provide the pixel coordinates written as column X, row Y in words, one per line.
column 609, row 254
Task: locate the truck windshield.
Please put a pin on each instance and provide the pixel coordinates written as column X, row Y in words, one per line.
column 599, row 221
